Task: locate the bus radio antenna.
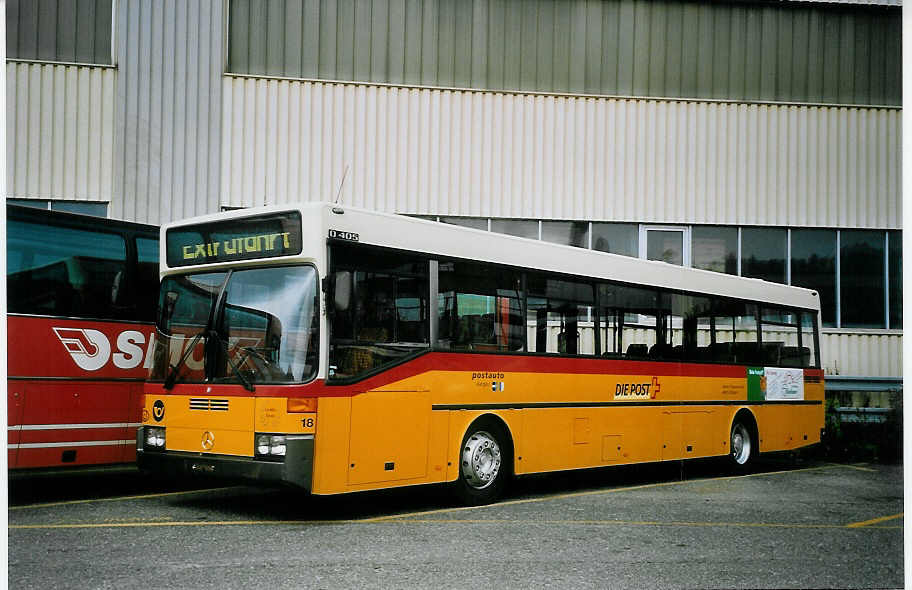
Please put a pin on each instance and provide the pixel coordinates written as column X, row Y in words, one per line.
column 341, row 184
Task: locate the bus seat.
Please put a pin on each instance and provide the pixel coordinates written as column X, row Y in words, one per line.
column 658, row 351
column 747, row 352
column 722, row 352
column 772, row 352
column 794, row 357
column 637, row 350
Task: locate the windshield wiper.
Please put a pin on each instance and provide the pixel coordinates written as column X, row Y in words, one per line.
column 171, row 379
column 248, row 385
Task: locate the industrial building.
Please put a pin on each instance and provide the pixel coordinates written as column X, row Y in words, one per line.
column 760, row 138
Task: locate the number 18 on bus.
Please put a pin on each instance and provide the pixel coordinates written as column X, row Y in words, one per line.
column 340, row 350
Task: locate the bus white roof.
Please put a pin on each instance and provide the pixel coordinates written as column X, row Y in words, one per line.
column 446, row 240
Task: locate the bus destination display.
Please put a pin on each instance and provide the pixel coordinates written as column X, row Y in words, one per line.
column 250, row 238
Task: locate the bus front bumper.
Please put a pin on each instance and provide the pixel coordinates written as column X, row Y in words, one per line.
column 296, row 469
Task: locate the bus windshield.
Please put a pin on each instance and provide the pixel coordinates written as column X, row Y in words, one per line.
column 244, row 326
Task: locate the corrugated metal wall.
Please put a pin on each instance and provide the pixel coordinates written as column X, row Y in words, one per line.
column 505, row 155
column 760, row 51
column 861, row 354
column 170, row 59
column 60, row 131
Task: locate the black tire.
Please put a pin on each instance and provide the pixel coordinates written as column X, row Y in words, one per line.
column 484, row 464
column 743, row 444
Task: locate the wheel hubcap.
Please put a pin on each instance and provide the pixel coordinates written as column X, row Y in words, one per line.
column 740, row 445
column 481, row 460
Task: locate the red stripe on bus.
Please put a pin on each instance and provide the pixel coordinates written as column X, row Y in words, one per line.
column 465, row 362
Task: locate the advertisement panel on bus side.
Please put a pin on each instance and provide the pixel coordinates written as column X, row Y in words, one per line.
column 60, row 347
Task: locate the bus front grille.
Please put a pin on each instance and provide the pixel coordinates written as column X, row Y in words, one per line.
column 208, row 405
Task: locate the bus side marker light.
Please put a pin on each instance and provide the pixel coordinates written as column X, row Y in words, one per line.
column 302, row 404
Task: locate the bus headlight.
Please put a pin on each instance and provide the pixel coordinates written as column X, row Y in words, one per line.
column 155, row 438
column 270, row 446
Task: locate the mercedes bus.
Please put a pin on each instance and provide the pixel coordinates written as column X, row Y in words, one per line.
column 338, row 349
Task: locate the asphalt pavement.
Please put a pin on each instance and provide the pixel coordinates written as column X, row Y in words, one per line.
column 789, row 524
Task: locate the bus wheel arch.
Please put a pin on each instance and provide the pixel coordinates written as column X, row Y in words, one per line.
column 744, row 439
column 485, row 461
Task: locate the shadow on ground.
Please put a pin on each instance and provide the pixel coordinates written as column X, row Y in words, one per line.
column 238, row 501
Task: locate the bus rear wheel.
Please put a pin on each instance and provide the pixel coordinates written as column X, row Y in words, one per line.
column 743, row 447
column 483, row 465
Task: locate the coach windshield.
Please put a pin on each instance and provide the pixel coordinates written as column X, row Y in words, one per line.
column 246, row 327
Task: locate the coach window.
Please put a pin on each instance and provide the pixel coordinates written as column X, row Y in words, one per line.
column 689, row 327
column 385, row 318
column 65, row 272
column 629, row 318
column 479, row 307
column 733, row 336
column 809, row 339
column 145, row 285
column 779, row 331
column 559, row 316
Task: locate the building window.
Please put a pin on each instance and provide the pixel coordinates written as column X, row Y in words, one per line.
column 473, row 222
column 814, row 267
column 763, row 253
column 82, row 207
column 863, row 291
column 616, row 238
column 861, row 278
column 715, row 248
column 522, row 228
column 667, row 244
column 570, row 233
column 896, row 279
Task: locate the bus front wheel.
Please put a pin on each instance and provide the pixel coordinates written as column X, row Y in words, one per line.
column 484, row 461
column 743, row 446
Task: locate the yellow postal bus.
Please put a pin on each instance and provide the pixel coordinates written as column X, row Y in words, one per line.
column 338, row 350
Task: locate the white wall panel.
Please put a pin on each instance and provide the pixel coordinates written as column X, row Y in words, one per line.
column 60, row 129
column 431, row 151
column 169, row 58
column 862, row 354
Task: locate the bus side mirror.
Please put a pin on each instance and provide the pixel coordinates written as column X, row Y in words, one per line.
column 341, row 290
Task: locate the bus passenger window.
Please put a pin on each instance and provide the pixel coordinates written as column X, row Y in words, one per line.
column 479, row 307
column 145, row 288
column 690, row 327
column 634, row 318
column 66, row 272
column 808, row 339
column 780, row 333
column 560, row 316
